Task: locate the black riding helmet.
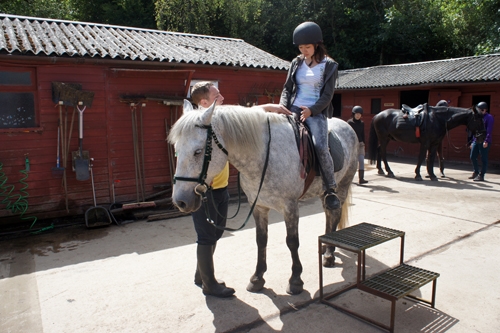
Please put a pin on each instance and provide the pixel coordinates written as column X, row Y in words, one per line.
column 357, row 109
column 482, row 106
column 442, row 103
column 307, row 33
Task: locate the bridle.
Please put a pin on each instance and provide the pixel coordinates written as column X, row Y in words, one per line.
column 202, row 188
column 477, row 134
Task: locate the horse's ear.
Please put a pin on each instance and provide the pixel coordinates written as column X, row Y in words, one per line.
column 206, row 118
column 187, row 106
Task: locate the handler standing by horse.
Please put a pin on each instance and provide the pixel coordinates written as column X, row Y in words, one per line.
column 482, row 148
column 308, row 93
column 204, row 94
column 359, row 127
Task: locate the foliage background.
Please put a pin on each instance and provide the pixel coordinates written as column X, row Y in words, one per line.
column 357, row 33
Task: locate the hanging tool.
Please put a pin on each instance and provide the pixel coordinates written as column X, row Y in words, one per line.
column 64, row 154
column 57, row 170
column 81, row 163
column 96, row 216
column 139, row 172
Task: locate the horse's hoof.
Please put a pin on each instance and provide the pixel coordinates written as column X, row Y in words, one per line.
column 443, row 176
column 419, row 178
column 328, row 261
column 296, row 288
column 434, row 179
column 256, row 285
column 380, row 172
column 391, row 175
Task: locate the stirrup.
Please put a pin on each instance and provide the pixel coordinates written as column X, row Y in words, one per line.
column 331, row 201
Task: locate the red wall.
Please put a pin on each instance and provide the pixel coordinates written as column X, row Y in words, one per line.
column 460, row 96
column 107, row 132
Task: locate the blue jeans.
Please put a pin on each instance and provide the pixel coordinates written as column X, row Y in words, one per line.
column 476, row 149
column 318, row 127
column 207, row 233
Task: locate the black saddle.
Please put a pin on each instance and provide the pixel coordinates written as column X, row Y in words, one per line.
column 414, row 116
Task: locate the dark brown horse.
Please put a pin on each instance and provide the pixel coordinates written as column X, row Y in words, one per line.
column 435, row 122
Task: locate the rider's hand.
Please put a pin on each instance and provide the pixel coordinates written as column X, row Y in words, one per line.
column 276, row 108
column 306, row 113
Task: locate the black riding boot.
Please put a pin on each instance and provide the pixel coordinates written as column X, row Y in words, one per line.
column 332, row 202
column 361, row 174
column 197, row 275
column 206, row 268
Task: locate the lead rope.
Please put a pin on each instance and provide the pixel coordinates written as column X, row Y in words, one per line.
column 204, row 198
column 457, row 149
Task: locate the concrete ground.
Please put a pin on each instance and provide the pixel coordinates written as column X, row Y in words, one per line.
column 139, row 277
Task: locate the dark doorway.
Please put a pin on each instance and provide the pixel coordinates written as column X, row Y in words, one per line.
column 481, row 98
column 413, row 98
column 337, row 105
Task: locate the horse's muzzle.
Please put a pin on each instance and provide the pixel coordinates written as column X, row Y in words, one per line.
column 187, row 202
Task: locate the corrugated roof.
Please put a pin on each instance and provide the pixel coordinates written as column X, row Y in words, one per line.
column 48, row 37
column 485, row 68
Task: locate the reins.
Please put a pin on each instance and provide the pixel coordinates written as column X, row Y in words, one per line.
column 457, row 149
column 461, row 148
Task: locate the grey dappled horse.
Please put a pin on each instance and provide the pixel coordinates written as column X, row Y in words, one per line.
column 244, row 134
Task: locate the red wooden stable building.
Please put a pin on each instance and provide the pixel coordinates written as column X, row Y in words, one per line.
column 462, row 82
column 138, row 79
column 132, row 82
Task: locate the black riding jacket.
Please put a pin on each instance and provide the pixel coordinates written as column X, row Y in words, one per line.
column 359, row 128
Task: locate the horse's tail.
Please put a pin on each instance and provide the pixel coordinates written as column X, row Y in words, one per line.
column 344, row 216
column 373, row 144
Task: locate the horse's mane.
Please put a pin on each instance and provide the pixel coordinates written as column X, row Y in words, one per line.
column 241, row 127
column 447, row 109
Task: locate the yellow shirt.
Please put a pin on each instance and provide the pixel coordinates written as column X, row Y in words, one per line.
column 222, row 179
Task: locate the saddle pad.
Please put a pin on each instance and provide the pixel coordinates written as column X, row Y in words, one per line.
column 336, row 151
column 410, row 123
column 405, row 123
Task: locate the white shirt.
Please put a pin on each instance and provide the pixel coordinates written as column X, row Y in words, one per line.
column 309, row 83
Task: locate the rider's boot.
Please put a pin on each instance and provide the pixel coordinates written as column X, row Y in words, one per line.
column 331, row 200
column 197, row 275
column 361, row 174
column 211, row 286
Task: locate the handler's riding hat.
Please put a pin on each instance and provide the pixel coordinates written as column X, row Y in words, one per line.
column 482, row 106
column 307, row 33
column 357, row 109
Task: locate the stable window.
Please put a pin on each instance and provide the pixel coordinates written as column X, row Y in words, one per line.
column 376, row 105
column 17, row 98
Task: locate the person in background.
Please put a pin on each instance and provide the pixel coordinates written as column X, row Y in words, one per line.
column 359, row 127
column 308, row 93
column 482, row 148
column 204, row 94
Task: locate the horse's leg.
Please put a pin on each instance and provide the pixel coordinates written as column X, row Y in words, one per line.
column 383, row 154
column 379, row 162
column 441, row 158
column 421, row 157
column 260, row 214
column 332, row 220
column 430, row 163
column 295, row 284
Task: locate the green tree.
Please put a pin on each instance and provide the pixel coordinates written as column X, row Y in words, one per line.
column 472, row 26
column 55, row 9
column 413, row 31
column 132, row 13
column 226, row 18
